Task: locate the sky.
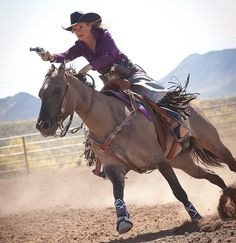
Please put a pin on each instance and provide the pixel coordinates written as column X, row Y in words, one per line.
column 156, row 34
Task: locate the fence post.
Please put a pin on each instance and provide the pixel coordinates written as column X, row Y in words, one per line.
column 25, row 155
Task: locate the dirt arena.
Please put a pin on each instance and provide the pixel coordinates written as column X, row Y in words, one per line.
column 73, row 205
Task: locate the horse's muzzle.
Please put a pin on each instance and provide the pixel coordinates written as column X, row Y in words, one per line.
column 46, row 128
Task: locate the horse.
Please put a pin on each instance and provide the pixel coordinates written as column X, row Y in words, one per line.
column 123, row 139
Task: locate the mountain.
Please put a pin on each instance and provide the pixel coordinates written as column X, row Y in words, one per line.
column 212, row 74
column 22, row 106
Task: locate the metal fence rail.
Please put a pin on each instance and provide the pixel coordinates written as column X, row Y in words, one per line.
column 31, row 151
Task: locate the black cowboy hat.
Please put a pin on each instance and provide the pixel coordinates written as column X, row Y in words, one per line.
column 78, row 17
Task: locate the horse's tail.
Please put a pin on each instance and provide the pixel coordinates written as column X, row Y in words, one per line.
column 206, row 157
column 177, row 98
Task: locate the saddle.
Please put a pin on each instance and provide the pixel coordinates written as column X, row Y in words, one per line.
column 164, row 120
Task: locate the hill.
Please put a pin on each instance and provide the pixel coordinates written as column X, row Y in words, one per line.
column 213, row 74
column 22, row 106
column 219, row 111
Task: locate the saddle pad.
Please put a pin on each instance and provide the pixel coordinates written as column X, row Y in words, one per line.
column 124, row 97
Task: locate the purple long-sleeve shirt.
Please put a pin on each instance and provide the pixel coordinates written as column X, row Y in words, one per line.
column 105, row 55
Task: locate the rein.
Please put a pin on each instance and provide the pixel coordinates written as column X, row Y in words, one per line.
column 65, row 129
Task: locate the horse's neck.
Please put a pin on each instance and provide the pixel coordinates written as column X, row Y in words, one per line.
column 95, row 109
column 82, row 95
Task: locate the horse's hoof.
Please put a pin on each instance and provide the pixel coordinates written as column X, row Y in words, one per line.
column 124, row 225
column 227, row 203
column 197, row 217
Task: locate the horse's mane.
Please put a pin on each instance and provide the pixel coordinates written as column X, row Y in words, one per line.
column 72, row 72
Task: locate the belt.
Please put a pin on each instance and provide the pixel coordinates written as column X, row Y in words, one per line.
column 123, row 70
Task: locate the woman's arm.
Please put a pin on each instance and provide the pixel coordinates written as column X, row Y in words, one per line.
column 69, row 55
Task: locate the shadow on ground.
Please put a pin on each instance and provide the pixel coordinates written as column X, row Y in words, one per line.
column 187, row 227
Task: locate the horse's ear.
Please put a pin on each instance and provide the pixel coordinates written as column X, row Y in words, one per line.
column 52, row 68
column 62, row 66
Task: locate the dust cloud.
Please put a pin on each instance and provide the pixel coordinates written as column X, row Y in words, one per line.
column 79, row 188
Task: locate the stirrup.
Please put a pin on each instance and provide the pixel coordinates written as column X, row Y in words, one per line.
column 185, row 142
column 182, row 140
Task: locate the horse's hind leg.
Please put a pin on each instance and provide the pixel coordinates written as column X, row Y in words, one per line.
column 116, row 176
column 218, row 150
column 169, row 174
column 185, row 162
column 205, row 136
column 224, row 155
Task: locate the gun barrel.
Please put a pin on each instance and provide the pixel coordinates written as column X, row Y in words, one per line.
column 37, row 49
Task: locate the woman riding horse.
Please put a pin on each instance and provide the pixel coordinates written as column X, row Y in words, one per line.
column 124, row 139
column 97, row 46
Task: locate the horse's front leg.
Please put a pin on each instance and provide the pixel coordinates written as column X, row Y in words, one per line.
column 116, row 176
column 169, row 174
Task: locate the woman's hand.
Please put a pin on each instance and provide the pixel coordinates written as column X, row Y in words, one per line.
column 47, row 57
column 85, row 69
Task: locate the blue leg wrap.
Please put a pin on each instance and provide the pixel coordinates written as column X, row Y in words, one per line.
column 193, row 213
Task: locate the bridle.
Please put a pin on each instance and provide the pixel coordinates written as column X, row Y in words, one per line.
column 65, row 129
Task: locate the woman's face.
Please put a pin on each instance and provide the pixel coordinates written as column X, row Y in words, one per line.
column 82, row 31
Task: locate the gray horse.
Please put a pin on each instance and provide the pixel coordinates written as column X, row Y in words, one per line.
column 123, row 139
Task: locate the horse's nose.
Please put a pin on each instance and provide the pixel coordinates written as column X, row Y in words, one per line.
column 43, row 125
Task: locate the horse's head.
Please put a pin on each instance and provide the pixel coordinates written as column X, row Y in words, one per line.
column 57, row 104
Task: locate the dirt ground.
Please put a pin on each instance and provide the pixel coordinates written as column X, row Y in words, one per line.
column 73, row 205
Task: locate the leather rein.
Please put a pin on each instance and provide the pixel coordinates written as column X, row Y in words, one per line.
column 65, row 129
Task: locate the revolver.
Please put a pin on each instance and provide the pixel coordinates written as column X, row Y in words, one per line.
column 38, row 50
